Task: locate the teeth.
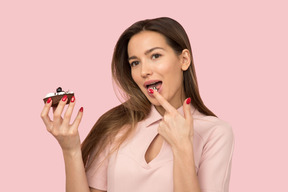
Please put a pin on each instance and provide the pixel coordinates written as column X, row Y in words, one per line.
column 155, row 88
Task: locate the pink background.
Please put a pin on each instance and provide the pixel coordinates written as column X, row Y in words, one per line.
column 240, row 50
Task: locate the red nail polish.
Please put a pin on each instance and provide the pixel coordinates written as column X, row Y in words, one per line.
column 49, row 100
column 72, row 99
column 188, row 101
column 64, row 98
column 151, row 91
column 81, row 109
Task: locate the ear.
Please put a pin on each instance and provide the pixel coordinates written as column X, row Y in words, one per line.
column 185, row 59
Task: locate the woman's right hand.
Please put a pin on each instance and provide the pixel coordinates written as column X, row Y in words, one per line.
column 66, row 134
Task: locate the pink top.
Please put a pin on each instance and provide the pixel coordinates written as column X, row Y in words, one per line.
column 127, row 170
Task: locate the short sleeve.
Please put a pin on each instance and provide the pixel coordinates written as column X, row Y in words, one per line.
column 215, row 164
column 97, row 172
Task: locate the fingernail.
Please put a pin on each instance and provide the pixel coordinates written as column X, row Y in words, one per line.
column 72, row 99
column 81, row 109
column 151, row 91
column 49, row 100
column 188, row 101
column 64, row 98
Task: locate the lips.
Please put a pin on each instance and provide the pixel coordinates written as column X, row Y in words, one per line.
column 153, row 84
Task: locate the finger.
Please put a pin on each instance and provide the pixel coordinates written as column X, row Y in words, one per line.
column 58, row 111
column 162, row 127
column 77, row 121
column 44, row 114
column 187, row 109
column 69, row 111
column 163, row 102
column 167, row 117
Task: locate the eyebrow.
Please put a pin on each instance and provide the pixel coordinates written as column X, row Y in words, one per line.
column 146, row 52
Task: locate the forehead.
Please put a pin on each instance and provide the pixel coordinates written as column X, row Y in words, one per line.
column 144, row 41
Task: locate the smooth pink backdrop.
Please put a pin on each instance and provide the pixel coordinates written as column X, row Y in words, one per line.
column 240, row 52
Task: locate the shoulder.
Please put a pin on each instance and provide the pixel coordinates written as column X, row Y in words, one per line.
column 210, row 127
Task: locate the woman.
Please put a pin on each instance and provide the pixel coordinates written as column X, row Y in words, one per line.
column 163, row 137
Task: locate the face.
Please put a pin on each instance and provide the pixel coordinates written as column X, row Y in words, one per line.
column 154, row 64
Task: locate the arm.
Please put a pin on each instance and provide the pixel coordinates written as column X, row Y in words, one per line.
column 185, row 177
column 215, row 164
column 68, row 137
column 76, row 179
column 75, row 172
column 178, row 132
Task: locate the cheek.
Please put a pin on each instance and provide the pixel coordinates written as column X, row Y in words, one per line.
column 170, row 70
column 135, row 77
column 174, row 76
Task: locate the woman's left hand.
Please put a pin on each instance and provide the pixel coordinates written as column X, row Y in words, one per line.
column 174, row 128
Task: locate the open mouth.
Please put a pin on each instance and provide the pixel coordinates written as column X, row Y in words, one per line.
column 155, row 85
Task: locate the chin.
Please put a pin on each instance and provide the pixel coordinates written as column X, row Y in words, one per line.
column 153, row 101
column 156, row 103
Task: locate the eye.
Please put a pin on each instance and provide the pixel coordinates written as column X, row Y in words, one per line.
column 155, row 56
column 134, row 63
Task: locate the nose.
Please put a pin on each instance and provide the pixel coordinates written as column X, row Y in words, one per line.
column 146, row 69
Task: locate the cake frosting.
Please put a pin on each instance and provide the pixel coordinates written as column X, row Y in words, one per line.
column 57, row 96
column 59, row 93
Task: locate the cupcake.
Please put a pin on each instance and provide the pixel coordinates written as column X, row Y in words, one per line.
column 56, row 97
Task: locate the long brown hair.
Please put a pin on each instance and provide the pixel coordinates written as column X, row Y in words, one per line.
column 137, row 106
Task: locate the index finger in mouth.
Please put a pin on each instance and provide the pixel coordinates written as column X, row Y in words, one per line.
column 163, row 102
